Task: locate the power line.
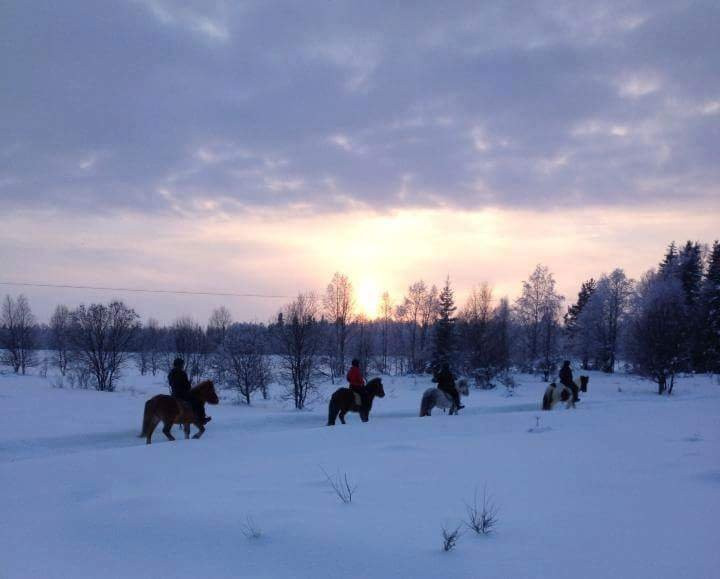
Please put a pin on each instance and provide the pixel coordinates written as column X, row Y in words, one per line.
column 143, row 290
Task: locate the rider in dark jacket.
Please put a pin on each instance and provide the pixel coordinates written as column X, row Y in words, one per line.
column 566, row 379
column 446, row 382
column 181, row 388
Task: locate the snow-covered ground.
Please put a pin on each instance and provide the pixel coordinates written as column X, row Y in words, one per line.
column 626, row 485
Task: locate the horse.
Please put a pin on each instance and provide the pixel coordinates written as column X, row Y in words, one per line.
column 170, row 410
column 433, row 397
column 555, row 394
column 344, row 400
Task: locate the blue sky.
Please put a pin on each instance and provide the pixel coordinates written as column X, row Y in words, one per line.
column 155, row 142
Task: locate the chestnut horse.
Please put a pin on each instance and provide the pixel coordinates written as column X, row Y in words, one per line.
column 344, row 400
column 170, row 410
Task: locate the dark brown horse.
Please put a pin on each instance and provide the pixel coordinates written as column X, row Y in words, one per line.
column 170, row 410
column 343, row 401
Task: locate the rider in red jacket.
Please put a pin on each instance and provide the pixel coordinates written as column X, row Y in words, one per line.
column 355, row 377
column 356, row 380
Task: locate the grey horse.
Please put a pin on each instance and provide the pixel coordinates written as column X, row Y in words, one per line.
column 433, row 397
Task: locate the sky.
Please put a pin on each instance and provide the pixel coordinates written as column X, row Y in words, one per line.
column 259, row 146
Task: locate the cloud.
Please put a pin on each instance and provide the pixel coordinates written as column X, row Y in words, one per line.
column 161, row 107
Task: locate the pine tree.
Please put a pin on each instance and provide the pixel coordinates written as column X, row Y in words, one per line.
column 710, row 309
column 690, row 272
column 445, row 327
column 668, row 265
column 571, row 321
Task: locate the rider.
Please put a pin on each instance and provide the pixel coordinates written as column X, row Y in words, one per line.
column 180, row 387
column 356, row 380
column 446, row 382
column 566, row 379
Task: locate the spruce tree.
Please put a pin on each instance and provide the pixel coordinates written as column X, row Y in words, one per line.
column 690, row 272
column 711, row 311
column 668, row 265
column 445, row 327
column 571, row 320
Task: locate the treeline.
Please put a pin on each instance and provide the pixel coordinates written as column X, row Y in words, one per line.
column 664, row 324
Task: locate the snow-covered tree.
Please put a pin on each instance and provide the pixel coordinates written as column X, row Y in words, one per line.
column 578, row 337
column 444, row 347
column 710, row 312
column 658, row 330
column 101, row 337
column 537, row 311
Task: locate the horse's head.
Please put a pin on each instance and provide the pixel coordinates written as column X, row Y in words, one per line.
column 375, row 387
column 462, row 386
column 205, row 391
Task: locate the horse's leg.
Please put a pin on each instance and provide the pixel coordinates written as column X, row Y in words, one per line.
column 364, row 415
column 151, row 428
column 186, row 429
column 200, row 431
column 166, row 430
column 342, row 416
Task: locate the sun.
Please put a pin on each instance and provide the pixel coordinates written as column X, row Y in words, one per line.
column 367, row 298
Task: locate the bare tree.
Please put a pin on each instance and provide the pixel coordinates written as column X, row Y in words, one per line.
column 386, row 318
column 18, row 333
column 418, row 313
column 154, row 344
column 298, row 338
column 60, row 326
column 339, row 305
column 101, row 336
column 192, row 345
column 363, row 342
column 242, row 356
column 218, row 325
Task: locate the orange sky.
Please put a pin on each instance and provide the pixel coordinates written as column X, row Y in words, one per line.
column 279, row 252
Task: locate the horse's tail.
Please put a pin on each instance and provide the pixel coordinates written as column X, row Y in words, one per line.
column 332, row 411
column 426, row 404
column 147, row 417
column 547, row 399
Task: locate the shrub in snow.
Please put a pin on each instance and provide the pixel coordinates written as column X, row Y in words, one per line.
column 251, row 529
column 450, row 538
column 342, row 486
column 482, row 516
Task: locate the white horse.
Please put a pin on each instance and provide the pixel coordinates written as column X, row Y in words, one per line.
column 433, row 397
column 555, row 394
